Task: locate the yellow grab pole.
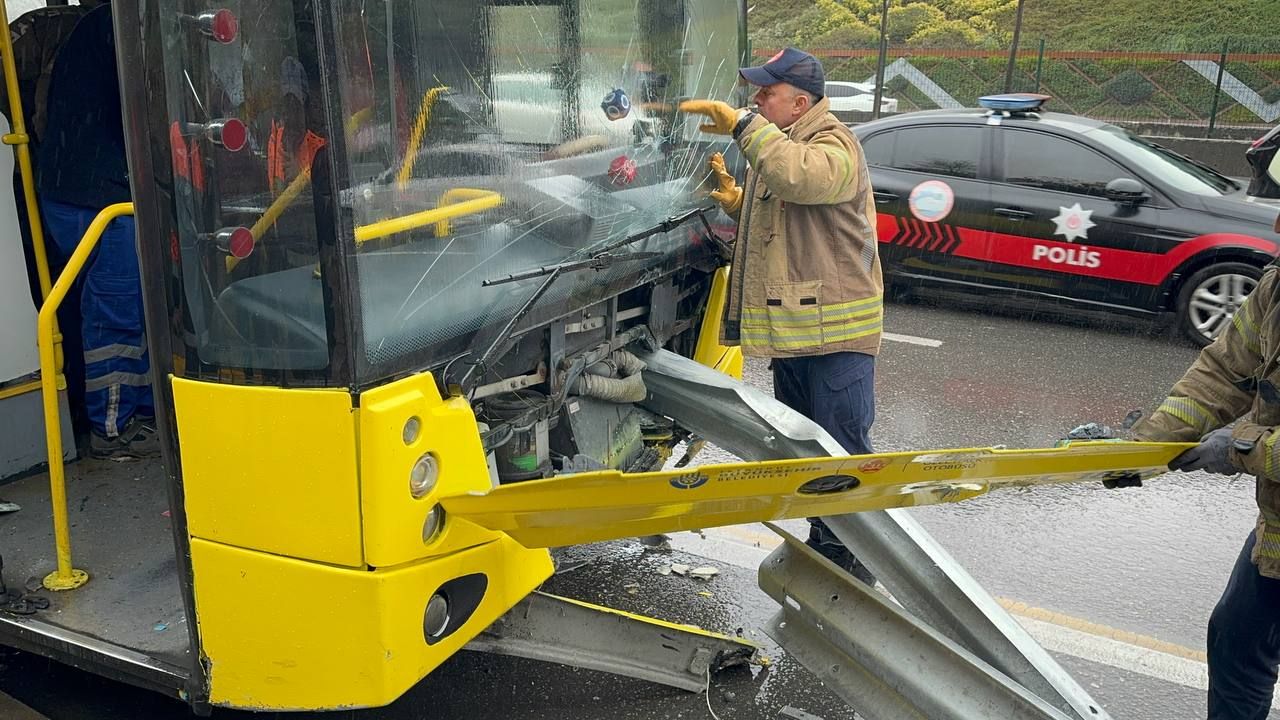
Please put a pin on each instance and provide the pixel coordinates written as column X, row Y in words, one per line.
column 19, row 139
column 273, row 213
column 404, row 223
column 291, row 192
column 415, row 138
column 451, row 197
column 65, row 577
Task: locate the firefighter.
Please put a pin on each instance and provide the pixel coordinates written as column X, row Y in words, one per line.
column 1236, row 382
column 805, row 286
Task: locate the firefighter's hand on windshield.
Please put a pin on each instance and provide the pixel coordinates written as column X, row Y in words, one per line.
column 1213, row 455
column 727, row 192
column 723, row 117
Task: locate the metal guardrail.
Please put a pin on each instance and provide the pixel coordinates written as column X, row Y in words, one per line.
column 879, row 658
column 65, row 577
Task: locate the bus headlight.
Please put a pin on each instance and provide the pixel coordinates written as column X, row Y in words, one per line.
column 423, row 476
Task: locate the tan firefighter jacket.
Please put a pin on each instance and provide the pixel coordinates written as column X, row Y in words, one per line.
column 1237, row 378
column 806, row 277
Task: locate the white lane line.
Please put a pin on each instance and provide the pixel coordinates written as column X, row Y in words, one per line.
column 1121, row 655
column 912, row 339
column 746, row 546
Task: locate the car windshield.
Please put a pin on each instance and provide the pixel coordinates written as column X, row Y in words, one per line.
column 1170, row 167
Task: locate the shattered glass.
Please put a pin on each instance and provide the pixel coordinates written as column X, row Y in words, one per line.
column 487, row 139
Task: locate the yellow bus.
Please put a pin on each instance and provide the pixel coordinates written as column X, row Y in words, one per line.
column 429, row 288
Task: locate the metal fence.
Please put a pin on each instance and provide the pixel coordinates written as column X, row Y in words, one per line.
column 1231, row 91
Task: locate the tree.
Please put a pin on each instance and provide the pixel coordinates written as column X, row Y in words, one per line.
column 909, row 19
column 946, row 34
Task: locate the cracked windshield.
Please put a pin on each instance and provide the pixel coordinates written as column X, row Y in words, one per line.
column 485, row 141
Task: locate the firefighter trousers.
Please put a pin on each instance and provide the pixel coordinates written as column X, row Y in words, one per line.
column 1244, row 643
column 837, row 391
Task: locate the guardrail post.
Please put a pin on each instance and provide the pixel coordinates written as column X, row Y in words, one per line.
column 1039, row 63
column 880, row 61
column 1013, row 50
column 1217, row 90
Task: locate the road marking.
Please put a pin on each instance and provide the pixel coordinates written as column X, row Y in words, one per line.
column 1107, row 632
column 746, row 546
column 912, row 339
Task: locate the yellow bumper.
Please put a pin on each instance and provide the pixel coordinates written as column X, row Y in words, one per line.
column 285, row 634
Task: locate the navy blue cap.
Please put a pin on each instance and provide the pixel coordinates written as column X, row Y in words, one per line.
column 792, row 66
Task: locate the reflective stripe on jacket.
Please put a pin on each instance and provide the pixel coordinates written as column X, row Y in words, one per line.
column 1237, row 379
column 806, row 268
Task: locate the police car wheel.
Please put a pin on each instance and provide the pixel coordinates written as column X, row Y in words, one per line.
column 1208, row 300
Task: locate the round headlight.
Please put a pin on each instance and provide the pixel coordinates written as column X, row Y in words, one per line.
column 436, row 619
column 434, row 524
column 423, row 476
column 412, row 427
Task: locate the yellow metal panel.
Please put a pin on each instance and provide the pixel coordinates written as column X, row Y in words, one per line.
column 731, row 362
column 709, row 351
column 270, row 469
column 283, row 634
column 393, row 518
column 590, row 507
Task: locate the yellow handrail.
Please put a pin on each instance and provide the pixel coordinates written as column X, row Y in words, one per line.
column 415, row 138
column 65, row 577
column 9, row 391
column 454, row 195
column 440, row 214
column 19, row 139
column 292, row 191
column 299, row 183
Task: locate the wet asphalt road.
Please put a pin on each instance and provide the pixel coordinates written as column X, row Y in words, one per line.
column 1149, row 562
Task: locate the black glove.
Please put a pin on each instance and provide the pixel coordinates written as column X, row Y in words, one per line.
column 1211, row 455
column 1091, row 431
column 1095, row 431
column 1122, row 480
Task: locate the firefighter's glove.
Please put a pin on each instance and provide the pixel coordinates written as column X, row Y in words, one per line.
column 722, row 116
column 1213, row 455
column 727, row 192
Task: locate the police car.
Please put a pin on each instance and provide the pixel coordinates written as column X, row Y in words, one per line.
column 1008, row 197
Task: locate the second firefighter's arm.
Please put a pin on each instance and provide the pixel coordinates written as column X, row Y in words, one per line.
column 1220, row 386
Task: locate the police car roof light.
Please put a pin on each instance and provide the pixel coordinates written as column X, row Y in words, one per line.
column 1013, row 102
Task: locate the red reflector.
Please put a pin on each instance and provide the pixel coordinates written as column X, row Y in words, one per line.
column 237, row 241
column 233, row 135
column 222, row 25
column 241, row 243
column 1260, row 140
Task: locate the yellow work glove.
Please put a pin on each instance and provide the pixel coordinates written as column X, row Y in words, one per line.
column 723, row 117
column 728, row 194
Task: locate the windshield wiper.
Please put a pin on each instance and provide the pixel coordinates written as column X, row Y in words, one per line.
column 600, row 259
column 1186, row 158
column 604, row 257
